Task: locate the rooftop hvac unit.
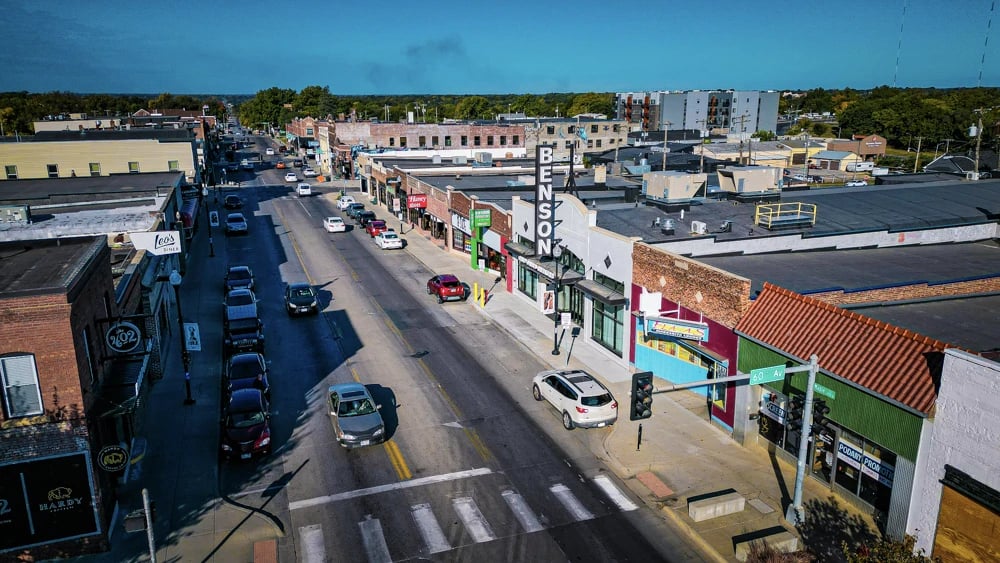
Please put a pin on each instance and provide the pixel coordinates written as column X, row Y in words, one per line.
column 699, row 227
column 20, row 214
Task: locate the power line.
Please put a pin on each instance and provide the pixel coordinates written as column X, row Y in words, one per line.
column 986, row 43
column 899, row 44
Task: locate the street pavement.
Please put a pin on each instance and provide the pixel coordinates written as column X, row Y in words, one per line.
column 682, row 454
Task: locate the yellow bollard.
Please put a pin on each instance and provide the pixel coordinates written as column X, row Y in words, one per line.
column 475, row 291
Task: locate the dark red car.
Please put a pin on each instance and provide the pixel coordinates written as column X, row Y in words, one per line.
column 376, row 227
column 447, row 288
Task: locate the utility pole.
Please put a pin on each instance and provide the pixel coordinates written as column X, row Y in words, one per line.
column 666, row 132
column 701, row 135
column 742, row 133
column 916, row 162
column 794, row 514
column 979, row 138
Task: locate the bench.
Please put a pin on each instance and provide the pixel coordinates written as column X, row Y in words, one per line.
column 783, row 541
column 711, row 506
column 265, row 551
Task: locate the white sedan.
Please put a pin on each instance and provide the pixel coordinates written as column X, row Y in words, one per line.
column 856, row 183
column 291, row 177
column 388, row 239
column 303, row 190
column 344, row 202
column 269, row 151
column 309, row 172
column 334, row 225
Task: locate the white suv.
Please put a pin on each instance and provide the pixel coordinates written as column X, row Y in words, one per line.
column 581, row 399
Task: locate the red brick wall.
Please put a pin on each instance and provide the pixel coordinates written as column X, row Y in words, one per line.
column 719, row 295
column 460, row 203
column 906, row 292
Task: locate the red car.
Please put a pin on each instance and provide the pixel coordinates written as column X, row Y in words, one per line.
column 447, row 288
column 376, row 227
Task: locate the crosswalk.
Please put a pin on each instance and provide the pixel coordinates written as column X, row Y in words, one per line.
column 426, row 519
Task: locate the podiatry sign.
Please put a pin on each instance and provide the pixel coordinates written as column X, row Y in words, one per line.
column 545, row 215
column 677, row 328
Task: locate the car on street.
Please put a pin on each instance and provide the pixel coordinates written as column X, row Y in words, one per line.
column 344, row 201
column 334, row 225
column 373, row 228
column 297, row 163
column 280, row 165
column 581, row 400
column 248, row 370
column 240, row 297
column 309, row 172
column 364, row 217
column 303, row 190
column 800, row 177
column 355, row 415
column 236, row 224
column 300, row 298
column 269, row 151
column 388, row 239
column 232, row 202
column 246, row 430
column 353, row 209
column 855, row 183
column 446, row 287
column 291, row 177
column 245, row 164
column 238, row 277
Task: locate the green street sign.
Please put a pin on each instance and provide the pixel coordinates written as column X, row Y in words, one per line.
column 824, row 391
column 767, row 375
column 480, row 218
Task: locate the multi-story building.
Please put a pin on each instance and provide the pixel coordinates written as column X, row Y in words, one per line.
column 726, row 111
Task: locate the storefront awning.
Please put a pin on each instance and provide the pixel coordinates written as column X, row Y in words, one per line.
column 601, row 293
column 701, row 350
column 548, row 270
column 492, row 240
column 518, row 249
column 122, row 391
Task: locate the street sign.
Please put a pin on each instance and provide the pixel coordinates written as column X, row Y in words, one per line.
column 767, row 375
column 825, row 391
column 192, row 337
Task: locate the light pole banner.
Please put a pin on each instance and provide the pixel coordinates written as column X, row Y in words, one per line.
column 192, row 337
column 545, row 217
column 548, row 302
column 157, row 242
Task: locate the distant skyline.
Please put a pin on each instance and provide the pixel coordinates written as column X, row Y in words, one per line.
column 514, row 47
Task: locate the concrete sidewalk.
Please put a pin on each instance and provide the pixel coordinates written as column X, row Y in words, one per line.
column 682, row 454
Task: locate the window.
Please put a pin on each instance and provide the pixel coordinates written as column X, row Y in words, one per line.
column 447, row 140
column 476, row 141
column 503, row 140
column 53, row 170
column 571, row 129
column 593, row 129
column 517, row 140
column 133, row 167
column 95, row 168
column 423, row 141
column 607, row 326
column 465, row 141
column 527, row 280
column 489, row 140
column 550, row 130
column 90, row 357
column 402, row 142
column 309, row 131
column 434, row 141
column 392, row 141
column 11, row 171
column 173, row 165
column 599, row 143
column 21, row 392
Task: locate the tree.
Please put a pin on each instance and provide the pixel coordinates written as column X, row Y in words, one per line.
column 591, row 103
column 472, row 107
column 764, row 135
column 315, row 101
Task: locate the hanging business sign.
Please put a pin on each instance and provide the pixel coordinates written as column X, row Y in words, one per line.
column 416, row 201
column 461, row 223
column 545, row 215
column 112, row 458
column 123, row 337
column 676, row 328
column 157, row 242
column 480, row 218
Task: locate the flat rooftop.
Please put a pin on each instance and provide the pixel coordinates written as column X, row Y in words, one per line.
column 969, row 322
column 43, row 266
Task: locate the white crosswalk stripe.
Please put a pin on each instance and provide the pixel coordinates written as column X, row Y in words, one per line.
column 474, row 521
column 311, row 544
column 614, row 493
column 571, row 503
column 374, row 541
column 522, row 511
column 434, row 538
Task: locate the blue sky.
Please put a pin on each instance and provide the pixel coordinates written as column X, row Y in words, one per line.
column 479, row 47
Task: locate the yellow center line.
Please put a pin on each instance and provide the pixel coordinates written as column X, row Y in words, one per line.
column 354, row 374
column 396, row 458
column 295, row 245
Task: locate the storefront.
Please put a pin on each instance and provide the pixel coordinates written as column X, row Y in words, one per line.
column 491, row 251
column 461, row 233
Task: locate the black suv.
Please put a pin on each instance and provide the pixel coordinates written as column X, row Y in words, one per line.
column 364, row 217
column 238, row 277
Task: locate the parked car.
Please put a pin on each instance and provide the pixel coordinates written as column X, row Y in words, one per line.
column 800, row 177
column 269, row 151
column 354, row 208
column 856, row 183
column 291, row 177
column 248, row 370
column 355, row 415
column 376, row 226
column 246, row 430
column 447, row 288
column 280, row 165
column 388, row 239
column 303, row 190
column 582, row 400
column 236, row 224
column 364, row 217
column 243, row 335
column 232, row 202
column 344, row 202
column 309, row 172
column 334, row 225
column 238, row 277
column 240, row 297
column 300, row 298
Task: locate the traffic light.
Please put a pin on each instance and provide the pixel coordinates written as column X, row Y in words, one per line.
column 820, row 410
column 793, row 416
column 642, row 396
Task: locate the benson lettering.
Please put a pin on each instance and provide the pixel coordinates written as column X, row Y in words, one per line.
column 545, row 224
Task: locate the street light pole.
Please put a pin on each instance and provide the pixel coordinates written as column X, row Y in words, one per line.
column 175, row 280
column 556, row 254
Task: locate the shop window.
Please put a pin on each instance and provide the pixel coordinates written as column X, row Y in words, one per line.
column 392, row 141
column 517, row 140
column 717, row 392
column 434, row 140
column 527, row 281
column 309, row 131
column 849, row 455
column 878, row 469
column 461, row 241
column 53, row 170
column 133, row 167
column 599, row 143
column 21, row 391
column 95, row 168
column 593, row 128
column 11, row 171
column 503, row 140
column 550, row 130
column 173, row 165
column 607, row 327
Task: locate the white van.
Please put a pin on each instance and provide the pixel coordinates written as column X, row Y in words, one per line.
column 860, row 166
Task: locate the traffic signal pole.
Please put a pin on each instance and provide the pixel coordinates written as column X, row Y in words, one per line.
column 794, row 512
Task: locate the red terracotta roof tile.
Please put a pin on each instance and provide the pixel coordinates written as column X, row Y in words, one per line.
column 889, row 360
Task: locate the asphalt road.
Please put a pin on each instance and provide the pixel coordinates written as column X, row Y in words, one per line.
column 475, row 470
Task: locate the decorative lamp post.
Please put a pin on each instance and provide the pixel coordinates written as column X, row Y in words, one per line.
column 175, row 280
column 557, row 251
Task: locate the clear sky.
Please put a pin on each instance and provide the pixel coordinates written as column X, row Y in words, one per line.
column 493, row 47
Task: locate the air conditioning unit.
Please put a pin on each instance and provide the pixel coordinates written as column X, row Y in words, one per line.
column 699, row 228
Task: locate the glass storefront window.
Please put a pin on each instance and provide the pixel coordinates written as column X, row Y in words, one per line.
column 460, row 241
column 849, row 454
column 878, row 468
column 607, row 327
column 527, row 281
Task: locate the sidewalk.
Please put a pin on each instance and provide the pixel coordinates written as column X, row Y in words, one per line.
column 686, row 454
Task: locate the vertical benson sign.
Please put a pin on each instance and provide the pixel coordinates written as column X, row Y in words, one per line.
column 545, row 217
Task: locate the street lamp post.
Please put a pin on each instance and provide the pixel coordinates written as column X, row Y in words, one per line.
column 557, row 251
column 175, row 280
